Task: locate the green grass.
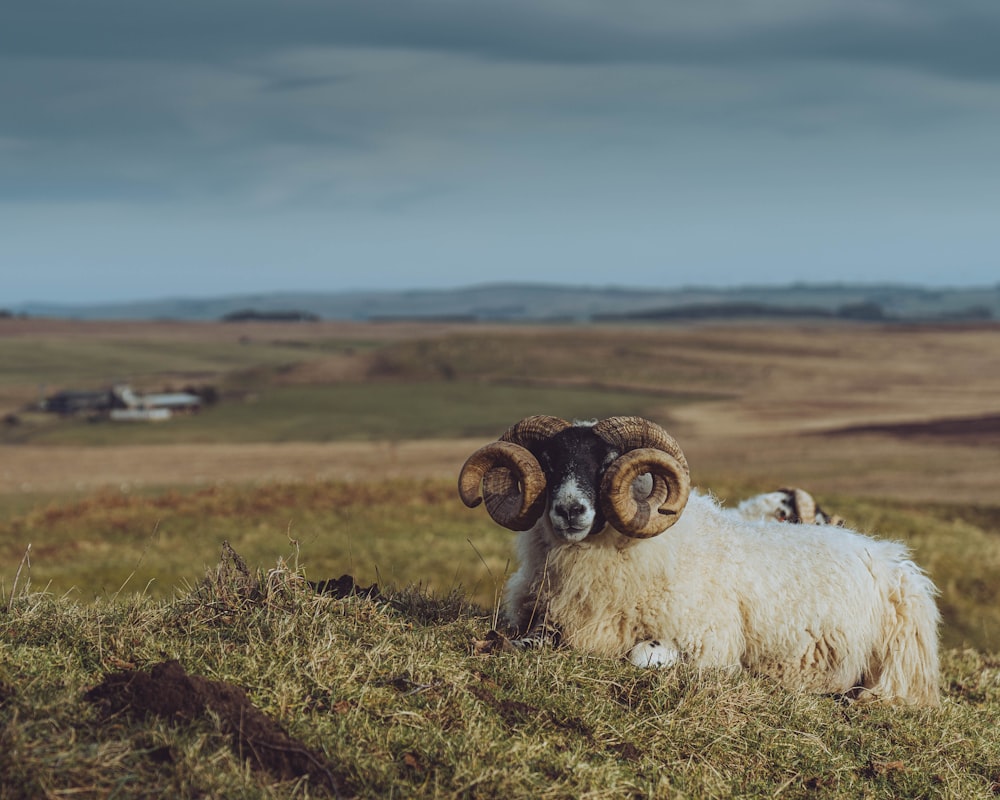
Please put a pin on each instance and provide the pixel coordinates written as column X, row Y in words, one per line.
column 346, row 411
column 455, row 385
column 161, row 542
column 392, row 697
column 407, row 532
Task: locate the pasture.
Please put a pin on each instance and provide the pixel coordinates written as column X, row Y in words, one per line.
column 334, row 448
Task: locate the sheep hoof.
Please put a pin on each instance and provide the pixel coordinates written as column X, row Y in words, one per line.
column 654, row 654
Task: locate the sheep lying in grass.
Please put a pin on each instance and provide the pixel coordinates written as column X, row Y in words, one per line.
column 819, row 608
column 787, row 505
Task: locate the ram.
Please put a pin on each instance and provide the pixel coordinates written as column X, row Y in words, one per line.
column 787, row 505
column 819, row 608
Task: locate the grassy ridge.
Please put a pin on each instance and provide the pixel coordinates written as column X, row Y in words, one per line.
column 391, row 695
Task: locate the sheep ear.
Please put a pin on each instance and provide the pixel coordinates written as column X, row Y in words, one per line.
column 512, row 481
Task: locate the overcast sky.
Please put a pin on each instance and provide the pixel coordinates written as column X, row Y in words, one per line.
column 205, row 147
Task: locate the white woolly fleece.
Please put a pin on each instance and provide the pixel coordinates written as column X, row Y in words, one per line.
column 819, row 608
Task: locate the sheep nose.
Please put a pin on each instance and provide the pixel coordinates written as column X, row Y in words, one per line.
column 570, row 512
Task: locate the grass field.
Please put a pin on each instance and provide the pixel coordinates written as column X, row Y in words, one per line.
column 341, row 412
column 333, row 405
column 334, row 449
column 402, row 532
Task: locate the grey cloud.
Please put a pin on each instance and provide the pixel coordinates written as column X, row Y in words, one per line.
column 391, row 106
column 300, row 83
column 944, row 42
column 956, row 38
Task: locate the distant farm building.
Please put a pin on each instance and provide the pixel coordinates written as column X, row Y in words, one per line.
column 122, row 404
column 69, row 403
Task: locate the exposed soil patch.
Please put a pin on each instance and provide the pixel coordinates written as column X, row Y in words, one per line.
column 167, row 691
column 982, row 429
column 345, row 586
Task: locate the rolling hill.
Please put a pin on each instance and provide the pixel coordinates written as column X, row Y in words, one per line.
column 551, row 302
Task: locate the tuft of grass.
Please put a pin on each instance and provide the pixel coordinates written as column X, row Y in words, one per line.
column 392, row 696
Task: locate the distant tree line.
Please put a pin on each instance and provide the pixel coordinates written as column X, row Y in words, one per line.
column 862, row 311
column 253, row 315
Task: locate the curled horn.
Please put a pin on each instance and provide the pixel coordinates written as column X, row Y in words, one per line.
column 807, row 511
column 645, row 449
column 803, row 506
column 512, row 480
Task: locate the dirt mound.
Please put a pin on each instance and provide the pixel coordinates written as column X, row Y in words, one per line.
column 167, row 691
column 345, row 586
column 983, row 429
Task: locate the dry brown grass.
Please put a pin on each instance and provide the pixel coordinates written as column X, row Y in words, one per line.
column 54, row 469
column 865, row 466
column 799, row 379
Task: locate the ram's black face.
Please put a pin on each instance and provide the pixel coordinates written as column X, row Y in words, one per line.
column 574, row 462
